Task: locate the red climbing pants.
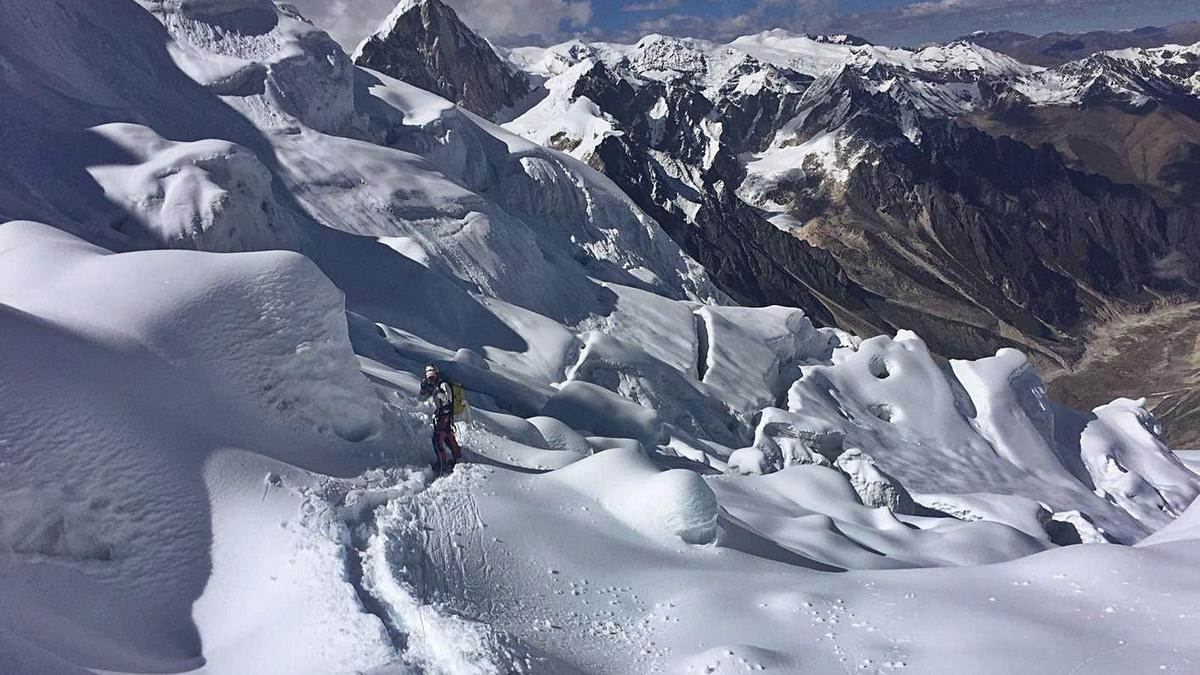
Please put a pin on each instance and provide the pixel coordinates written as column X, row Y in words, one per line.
column 443, row 437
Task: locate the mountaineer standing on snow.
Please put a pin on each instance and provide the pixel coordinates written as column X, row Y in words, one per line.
column 442, row 392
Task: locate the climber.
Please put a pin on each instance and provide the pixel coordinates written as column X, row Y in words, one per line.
column 442, row 392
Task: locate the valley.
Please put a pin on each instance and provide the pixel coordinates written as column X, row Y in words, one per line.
column 1114, row 365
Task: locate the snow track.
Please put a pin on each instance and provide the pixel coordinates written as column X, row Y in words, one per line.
column 416, row 558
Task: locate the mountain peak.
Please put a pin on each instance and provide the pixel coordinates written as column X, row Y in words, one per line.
column 425, row 43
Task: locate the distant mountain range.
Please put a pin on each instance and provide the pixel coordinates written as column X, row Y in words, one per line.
column 1055, row 49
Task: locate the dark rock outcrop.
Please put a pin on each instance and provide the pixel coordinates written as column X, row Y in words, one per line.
column 974, row 241
column 425, row 44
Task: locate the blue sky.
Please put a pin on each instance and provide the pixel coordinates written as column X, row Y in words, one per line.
column 884, row 21
column 897, row 22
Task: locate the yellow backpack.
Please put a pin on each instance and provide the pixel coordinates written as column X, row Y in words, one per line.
column 458, row 398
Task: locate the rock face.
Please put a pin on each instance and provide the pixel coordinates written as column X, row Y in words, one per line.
column 424, row 43
column 842, row 177
column 1132, row 116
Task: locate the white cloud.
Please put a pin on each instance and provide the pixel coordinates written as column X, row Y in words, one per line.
column 913, row 22
column 349, row 21
column 522, row 18
column 651, row 6
column 759, row 15
column 936, row 7
column 944, row 19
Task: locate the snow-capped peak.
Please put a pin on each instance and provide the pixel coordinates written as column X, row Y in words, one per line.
column 659, row 54
column 425, row 43
column 960, row 56
column 389, row 22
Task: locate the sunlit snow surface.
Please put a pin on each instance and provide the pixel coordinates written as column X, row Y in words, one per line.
column 214, row 460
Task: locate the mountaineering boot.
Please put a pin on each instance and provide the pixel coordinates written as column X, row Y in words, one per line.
column 450, row 465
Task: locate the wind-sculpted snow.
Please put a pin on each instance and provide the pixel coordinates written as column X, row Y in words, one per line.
column 271, row 61
column 1130, row 466
column 145, row 396
column 813, row 511
column 980, row 427
column 209, row 195
column 755, row 353
column 183, row 307
column 675, row 503
column 213, row 460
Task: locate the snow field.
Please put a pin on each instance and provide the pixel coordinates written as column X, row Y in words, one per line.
column 802, row 518
column 206, row 458
column 583, row 590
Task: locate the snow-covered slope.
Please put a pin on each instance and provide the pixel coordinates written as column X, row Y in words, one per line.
column 146, row 397
column 212, row 457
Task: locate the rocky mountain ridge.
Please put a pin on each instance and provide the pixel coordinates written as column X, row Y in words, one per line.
column 428, row 46
column 880, row 187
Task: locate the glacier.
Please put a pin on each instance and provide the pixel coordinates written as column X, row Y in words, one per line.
column 226, row 254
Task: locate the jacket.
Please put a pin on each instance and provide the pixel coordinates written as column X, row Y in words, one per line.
column 441, row 393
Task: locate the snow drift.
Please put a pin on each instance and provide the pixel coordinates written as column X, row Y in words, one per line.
column 155, row 390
